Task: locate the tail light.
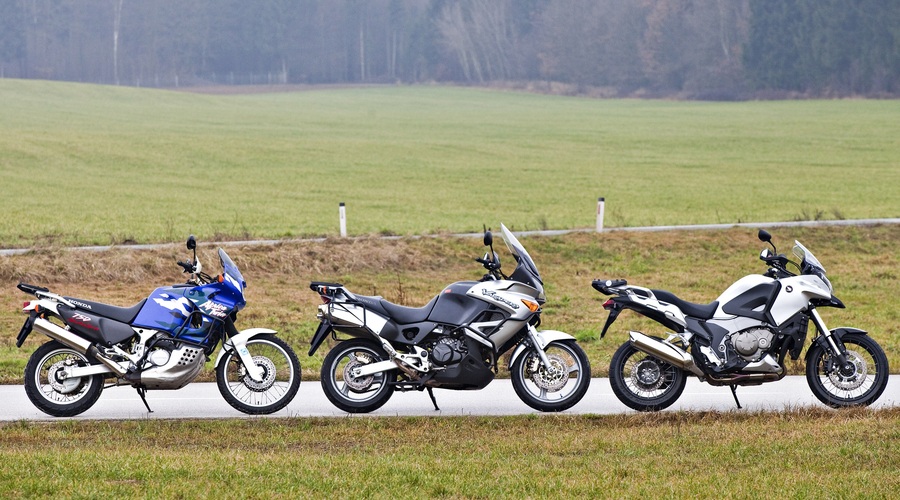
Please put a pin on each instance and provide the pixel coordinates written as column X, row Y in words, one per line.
column 325, row 299
column 609, row 303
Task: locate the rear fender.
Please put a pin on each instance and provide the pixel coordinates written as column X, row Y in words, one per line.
column 325, row 327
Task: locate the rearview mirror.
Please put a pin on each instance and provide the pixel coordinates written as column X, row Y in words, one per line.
column 764, row 236
column 191, row 242
column 488, row 238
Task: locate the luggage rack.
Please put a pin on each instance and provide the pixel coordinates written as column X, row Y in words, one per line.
column 332, row 290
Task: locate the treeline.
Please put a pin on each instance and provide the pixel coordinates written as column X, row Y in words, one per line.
column 693, row 48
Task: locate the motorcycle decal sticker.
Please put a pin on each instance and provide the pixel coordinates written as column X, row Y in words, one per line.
column 80, row 304
column 215, row 309
column 83, row 321
column 493, row 295
column 179, row 304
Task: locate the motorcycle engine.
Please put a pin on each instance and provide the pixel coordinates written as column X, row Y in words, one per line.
column 752, row 344
column 447, row 351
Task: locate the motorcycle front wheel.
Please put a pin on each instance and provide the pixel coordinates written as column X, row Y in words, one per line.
column 859, row 383
column 558, row 387
column 280, row 377
column 356, row 394
column 644, row 382
column 49, row 390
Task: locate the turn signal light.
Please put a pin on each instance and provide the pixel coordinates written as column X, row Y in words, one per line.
column 532, row 306
column 221, row 278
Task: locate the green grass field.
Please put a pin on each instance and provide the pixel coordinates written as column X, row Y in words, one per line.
column 82, row 164
column 795, row 454
column 85, row 164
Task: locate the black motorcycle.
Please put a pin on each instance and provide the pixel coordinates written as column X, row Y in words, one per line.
column 453, row 342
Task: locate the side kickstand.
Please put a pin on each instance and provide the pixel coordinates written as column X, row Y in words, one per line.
column 734, row 394
column 433, row 401
column 142, row 392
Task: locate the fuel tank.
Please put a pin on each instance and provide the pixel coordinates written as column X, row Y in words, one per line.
column 186, row 312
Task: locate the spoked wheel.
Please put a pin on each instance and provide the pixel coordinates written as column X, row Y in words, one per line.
column 558, row 387
column 356, row 394
column 858, row 383
column 48, row 388
column 643, row 382
column 280, row 377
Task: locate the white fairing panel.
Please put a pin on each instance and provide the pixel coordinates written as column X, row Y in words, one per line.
column 795, row 294
column 647, row 298
column 344, row 314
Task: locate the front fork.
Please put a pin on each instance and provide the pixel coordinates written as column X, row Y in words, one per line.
column 834, row 343
column 533, row 336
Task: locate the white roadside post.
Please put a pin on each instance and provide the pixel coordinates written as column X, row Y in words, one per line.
column 600, row 204
column 342, row 210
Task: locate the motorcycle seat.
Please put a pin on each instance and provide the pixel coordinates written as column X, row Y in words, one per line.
column 699, row 311
column 122, row 314
column 408, row 315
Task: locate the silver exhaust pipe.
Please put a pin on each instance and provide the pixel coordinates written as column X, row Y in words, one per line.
column 62, row 335
column 666, row 352
column 73, row 341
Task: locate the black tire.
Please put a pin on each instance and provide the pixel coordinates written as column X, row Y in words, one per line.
column 281, row 377
column 862, row 385
column 361, row 395
column 65, row 398
column 558, row 390
column 644, row 382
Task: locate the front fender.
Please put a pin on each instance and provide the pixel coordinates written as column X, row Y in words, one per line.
column 838, row 335
column 544, row 338
column 238, row 343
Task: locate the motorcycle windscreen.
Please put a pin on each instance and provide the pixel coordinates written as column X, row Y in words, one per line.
column 526, row 271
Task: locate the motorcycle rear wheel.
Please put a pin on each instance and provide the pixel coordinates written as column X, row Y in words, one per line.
column 861, row 385
column 643, row 382
column 356, row 395
column 53, row 395
column 281, row 377
column 552, row 390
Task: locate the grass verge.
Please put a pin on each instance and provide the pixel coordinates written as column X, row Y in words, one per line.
column 798, row 453
column 696, row 265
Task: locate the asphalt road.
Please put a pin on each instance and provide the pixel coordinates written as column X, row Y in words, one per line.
column 204, row 401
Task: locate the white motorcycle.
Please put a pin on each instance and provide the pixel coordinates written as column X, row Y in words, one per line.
column 743, row 338
column 453, row 342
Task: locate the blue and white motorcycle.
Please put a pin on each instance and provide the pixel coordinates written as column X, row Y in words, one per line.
column 162, row 342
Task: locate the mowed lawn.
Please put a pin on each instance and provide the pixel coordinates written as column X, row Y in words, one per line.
column 86, row 164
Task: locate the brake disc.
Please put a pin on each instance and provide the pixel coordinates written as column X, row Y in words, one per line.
column 268, row 375
column 554, row 378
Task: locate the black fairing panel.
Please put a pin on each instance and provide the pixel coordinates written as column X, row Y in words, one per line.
column 523, row 276
column 714, row 334
column 96, row 328
column 469, row 374
column 454, row 307
column 762, row 295
column 411, row 334
column 121, row 314
column 654, row 314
